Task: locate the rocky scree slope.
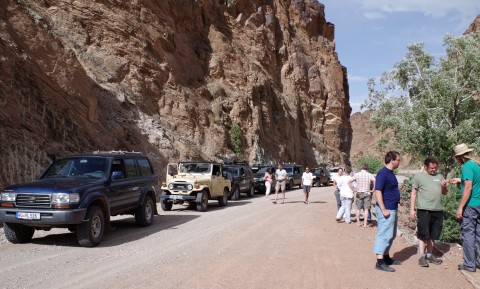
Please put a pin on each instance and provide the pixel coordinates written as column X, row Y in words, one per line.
column 170, row 78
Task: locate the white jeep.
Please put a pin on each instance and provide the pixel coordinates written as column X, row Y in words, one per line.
column 195, row 183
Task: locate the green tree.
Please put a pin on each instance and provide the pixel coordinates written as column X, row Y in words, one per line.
column 431, row 105
column 236, row 138
column 374, row 163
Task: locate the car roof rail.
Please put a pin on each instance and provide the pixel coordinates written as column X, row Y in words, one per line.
column 116, row 152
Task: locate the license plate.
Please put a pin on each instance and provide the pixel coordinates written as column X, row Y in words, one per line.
column 28, row 216
column 176, row 197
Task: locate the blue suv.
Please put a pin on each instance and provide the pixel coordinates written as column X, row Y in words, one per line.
column 81, row 192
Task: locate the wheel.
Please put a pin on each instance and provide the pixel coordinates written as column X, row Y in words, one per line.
column 202, row 206
column 251, row 192
column 290, row 185
column 18, row 233
column 223, row 200
column 90, row 231
column 145, row 213
column 327, row 183
column 166, row 204
column 236, row 193
column 319, row 183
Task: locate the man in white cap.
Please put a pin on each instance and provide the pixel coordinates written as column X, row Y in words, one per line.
column 469, row 208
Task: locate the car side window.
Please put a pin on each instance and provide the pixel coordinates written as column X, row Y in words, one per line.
column 216, row 170
column 131, row 168
column 144, row 166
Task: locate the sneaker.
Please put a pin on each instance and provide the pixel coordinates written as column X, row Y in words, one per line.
column 384, row 267
column 389, row 261
column 337, row 219
column 462, row 267
column 434, row 260
column 423, row 262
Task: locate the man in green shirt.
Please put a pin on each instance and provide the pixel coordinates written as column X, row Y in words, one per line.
column 469, row 207
column 429, row 186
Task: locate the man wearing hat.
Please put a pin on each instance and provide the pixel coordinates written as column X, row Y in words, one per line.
column 469, row 208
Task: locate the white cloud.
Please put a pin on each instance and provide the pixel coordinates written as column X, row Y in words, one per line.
column 374, row 15
column 433, row 8
column 357, row 78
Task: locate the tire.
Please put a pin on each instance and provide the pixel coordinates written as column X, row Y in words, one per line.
column 145, row 213
column 223, row 200
column 251, row 191
column 90, row 231
column 18, row 233
column 166, row 204
column 203, row 205
column 327, row 183
column 236, row 193
column 319, row 184
column 290, row 185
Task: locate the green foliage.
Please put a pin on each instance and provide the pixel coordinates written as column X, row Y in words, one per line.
column 451, row 227
column 236, row 138
column 431, row 105
column 374, row 164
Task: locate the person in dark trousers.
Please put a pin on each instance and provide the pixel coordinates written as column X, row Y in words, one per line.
column 387, row 195
column 469, row 207
column 428, row 186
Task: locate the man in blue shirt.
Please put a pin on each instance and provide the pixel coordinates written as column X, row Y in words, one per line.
column 387, row 196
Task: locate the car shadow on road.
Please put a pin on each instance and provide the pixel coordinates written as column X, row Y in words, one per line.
column 229, row 204
column 122, row 231
column 405, row 253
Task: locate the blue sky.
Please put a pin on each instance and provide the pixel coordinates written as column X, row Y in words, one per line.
column 372, row 35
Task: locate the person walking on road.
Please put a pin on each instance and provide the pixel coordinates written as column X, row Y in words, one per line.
column 387, row 195
column 268, row 182
column 281, row 182
column 346, row 195
column 469, row 207
column 428, row 187
column 307, row 182
column 364, row 181
column 337, row 189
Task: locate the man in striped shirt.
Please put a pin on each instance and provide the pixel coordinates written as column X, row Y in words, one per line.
column 363, row 195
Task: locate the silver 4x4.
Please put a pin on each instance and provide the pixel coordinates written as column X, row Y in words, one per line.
column 195, row 183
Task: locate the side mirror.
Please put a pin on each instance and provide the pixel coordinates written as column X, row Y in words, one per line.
column 117, row 175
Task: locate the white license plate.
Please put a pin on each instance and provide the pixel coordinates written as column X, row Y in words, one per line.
column 28, row 216
column 176, row 197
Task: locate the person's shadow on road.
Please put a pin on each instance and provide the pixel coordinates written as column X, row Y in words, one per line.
column 405, row 253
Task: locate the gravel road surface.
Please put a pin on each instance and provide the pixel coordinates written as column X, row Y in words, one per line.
column 250, row 243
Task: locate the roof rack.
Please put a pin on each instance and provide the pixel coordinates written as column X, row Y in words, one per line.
column 116, row 152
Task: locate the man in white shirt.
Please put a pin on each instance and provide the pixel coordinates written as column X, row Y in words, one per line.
column 281, row 177
column 307, row 182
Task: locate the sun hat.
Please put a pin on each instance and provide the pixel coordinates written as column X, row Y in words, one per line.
column 461, row 149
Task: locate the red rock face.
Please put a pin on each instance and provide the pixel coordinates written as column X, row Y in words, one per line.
column 475, row 26
column 170, row 78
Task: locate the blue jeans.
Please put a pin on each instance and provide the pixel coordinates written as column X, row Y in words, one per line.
column 387, row 231
column 471, row 236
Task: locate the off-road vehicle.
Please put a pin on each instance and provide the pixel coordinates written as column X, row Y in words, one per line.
column 242, row 179
column 321, row 176
column 259, row 178
column 195, row 183
column 294, row 173
column 81, row 192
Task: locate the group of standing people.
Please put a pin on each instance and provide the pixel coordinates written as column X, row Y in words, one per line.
column 281, row 182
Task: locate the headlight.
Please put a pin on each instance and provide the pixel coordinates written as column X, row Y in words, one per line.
column 64, row 198
column 8, row 197
column 189, row 187
column 170, row 186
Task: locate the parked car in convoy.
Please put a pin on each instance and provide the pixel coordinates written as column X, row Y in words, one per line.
column 295, row 173
column 242, row 179
column 259, row 178
column 195, row 183
column 81, row 192
column 321, row 176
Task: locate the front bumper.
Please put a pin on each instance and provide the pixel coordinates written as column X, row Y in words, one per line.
column 47, row 217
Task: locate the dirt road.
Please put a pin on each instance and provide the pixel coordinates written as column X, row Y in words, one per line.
column 251, row 243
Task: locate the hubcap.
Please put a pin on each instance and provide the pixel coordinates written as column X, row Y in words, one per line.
column 96, row 226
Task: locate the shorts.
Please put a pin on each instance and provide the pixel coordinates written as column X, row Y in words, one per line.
column 306, row 189
column 429, row 224
column 364, row 201
column 280, row 184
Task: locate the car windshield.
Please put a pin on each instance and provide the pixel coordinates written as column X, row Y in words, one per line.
column 262, row 170
column 334, row 170
column 93, row 167
column 289, row 170
column 195, row 168
column 234, row 171
column 317, row 172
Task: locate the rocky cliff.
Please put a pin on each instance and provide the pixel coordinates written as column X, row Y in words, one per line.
column 170, row 78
